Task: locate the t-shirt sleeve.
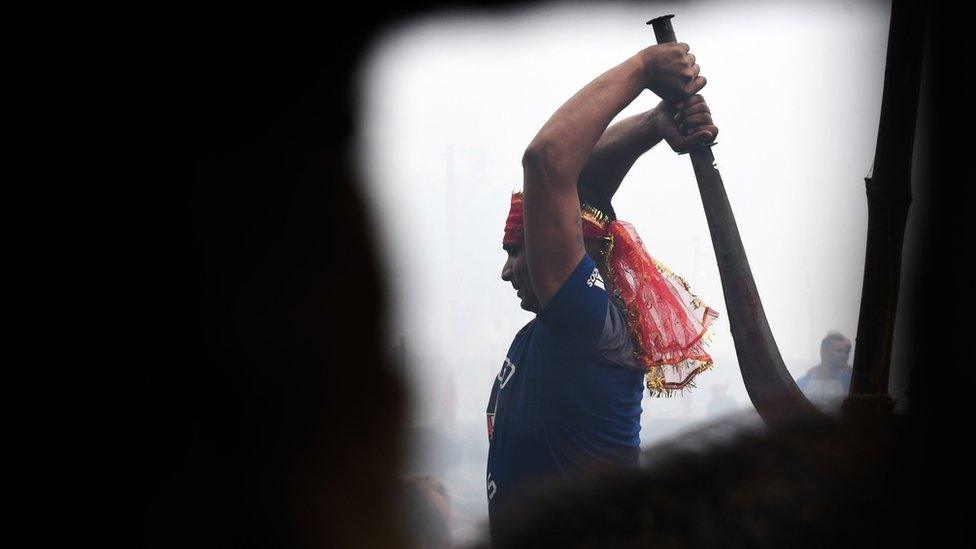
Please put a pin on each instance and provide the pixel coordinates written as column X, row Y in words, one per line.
column 577, row 313
column 616, row 344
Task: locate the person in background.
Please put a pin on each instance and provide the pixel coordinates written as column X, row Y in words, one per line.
column 721, row 402
column 427, row 512
column 827, row 383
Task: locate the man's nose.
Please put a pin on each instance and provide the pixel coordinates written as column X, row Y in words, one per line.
column 507, row 271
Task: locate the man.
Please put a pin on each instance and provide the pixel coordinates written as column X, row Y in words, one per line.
column 568, row 395
column 827, row 383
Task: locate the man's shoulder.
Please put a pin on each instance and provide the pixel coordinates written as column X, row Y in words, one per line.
column 616, row 344
column 575, row 315
column 807, row 376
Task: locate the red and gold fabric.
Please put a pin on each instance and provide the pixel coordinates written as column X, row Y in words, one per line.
column 668, row 323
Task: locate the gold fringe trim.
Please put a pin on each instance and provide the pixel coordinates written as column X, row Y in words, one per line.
column 658, row 388
column 592, row 214
column 654, row 377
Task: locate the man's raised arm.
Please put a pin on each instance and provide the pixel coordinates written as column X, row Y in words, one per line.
column 683, row 126
column 553, row 161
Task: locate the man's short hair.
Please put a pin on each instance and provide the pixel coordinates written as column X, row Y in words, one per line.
column 833, row 334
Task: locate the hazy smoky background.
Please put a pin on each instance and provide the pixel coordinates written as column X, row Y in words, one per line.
column 448, row 103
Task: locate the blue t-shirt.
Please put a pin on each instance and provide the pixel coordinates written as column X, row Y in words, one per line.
column 826, row 391
column 568, row 394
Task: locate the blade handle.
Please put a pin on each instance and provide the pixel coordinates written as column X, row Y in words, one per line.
column 663, row 31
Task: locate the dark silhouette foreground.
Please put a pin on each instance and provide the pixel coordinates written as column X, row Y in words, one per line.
column 815, row 482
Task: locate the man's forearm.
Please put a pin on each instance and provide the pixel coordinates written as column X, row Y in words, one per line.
column 562, row 146
column 613, row 156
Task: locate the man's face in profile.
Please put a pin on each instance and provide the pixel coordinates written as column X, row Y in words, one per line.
column 516, row 271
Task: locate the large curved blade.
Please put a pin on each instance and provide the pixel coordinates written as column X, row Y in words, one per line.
column 770, row 385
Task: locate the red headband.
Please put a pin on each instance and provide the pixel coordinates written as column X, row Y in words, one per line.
column 595, row 222
column 668, row 323
column 514, row 225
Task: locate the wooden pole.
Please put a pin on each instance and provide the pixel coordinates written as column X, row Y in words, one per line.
column 889, row 197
